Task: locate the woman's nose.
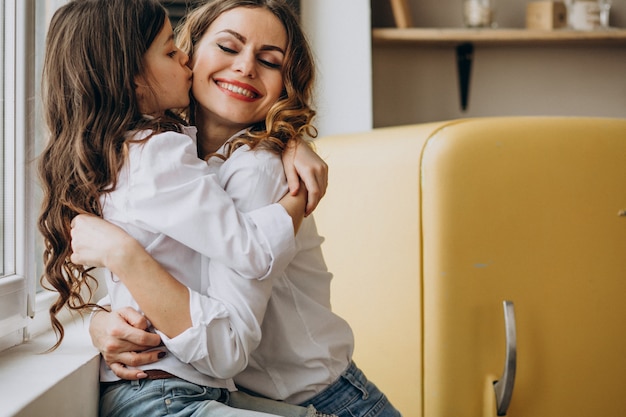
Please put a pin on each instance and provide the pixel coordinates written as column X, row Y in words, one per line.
column 245, row 64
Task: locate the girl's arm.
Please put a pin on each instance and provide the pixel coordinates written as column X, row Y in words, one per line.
column 169, row 191
column 216, row 343
column 96, row 242
column 220, row 346
column 302, row 164
column 166, row 189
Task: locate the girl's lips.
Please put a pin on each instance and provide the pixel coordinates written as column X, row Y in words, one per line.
column 239, row 89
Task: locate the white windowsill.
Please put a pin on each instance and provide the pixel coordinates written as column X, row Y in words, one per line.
column 63, row 382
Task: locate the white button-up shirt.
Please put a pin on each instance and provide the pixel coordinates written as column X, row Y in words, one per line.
column 305, row 346
column 169, row 201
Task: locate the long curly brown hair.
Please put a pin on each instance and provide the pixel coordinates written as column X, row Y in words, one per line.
column 94, row 51
column 291, row 116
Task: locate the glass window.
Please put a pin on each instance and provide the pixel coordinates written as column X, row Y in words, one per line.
column 23, row 25
column 13, row 286
column 40, row 18
column 3, row 245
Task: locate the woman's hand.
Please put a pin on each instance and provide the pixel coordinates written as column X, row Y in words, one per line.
column 121, row 338
column 301, row 163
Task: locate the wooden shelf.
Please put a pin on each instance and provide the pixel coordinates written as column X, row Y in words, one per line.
column 464, row 41
column 503, row 37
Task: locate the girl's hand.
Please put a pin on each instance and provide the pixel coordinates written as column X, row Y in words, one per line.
column 96, row 242
column 121, row 338
column 295, row 205
column 301, row 163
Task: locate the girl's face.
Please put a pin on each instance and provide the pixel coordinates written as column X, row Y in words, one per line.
column 167, row 79
column 237, row 67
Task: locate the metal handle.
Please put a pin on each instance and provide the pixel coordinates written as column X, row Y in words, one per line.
column 504, row 386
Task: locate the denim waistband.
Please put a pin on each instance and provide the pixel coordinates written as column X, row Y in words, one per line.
column 217, row 394
column 352, row 377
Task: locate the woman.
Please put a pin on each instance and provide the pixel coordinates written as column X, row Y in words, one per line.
column 112, row 78
column 305, row 353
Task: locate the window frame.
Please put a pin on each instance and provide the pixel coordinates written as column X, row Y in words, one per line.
column 13, row 285
column 20, row 303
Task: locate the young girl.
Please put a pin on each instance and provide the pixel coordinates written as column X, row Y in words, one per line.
column 112, row 76
column 253, row 71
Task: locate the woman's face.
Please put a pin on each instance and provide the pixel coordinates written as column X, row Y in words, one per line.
column 167, row 79
column 237, row 67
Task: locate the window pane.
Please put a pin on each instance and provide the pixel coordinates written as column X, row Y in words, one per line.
column 44, row 9
column 2, row 173
column 7, row 150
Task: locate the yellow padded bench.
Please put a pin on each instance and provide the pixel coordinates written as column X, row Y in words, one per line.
column 431, row 227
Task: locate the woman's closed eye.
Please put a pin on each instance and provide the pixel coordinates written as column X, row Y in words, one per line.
column 264, row 62
column 226, row 49
column 269, row 64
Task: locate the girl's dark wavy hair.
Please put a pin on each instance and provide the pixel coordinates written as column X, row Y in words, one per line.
column 291, row 116
column 94, row 51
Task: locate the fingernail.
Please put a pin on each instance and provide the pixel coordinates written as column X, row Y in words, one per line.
column 142, row 375
column 162, row 354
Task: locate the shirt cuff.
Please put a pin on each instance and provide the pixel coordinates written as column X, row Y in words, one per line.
column 191, row 345
column 277, row 227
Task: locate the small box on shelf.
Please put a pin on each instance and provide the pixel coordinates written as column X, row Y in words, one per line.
column 546, row 15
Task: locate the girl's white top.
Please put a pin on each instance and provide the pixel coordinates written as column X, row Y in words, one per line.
column 167, row 199
column 305, row 346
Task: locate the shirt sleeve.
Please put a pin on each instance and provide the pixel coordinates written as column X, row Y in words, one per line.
column 253, row 180
column 171, row 191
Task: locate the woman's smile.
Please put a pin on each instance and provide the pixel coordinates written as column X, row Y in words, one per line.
column 238, row 90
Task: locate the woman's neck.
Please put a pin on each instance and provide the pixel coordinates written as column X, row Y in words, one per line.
column 211, row 136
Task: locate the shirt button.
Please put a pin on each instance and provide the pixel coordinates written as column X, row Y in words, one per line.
column 168, row 401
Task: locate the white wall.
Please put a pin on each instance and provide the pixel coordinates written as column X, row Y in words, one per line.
column 340, row 35
column 575, row 81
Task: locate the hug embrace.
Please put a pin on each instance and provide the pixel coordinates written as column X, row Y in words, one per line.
column 180, row 163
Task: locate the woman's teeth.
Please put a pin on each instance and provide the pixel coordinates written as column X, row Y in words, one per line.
column 238, row 90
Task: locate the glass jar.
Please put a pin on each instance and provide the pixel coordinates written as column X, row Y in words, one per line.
column 585, row 15
column 478, row 13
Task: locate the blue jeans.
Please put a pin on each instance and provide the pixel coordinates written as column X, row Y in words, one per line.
column 179, row 398
column 352, row 395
